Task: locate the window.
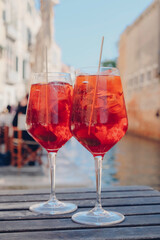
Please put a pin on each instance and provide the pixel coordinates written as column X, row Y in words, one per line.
column 142, row 78
column 131, row 82
column 24, row 69
column 4, row 16
column 149, row 75
column 136, row 80
column 1, row 51
column 155, row 72
column 16, row 64
column 29, row 37
column 29, row 9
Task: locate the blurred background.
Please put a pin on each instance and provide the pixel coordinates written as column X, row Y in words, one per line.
column 72, row 31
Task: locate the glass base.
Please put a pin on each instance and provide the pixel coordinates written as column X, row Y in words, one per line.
column 53, row 207
column 98, row 218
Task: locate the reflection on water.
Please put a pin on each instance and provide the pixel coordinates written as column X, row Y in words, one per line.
column 133, row 161
column 137, row 161
column 110, row 168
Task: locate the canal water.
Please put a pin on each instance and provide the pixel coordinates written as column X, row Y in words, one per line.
column 132, row 161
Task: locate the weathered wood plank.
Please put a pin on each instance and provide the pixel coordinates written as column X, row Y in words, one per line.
column 66, row 224
column 90, row 203
column 140, row 205
column 78, row 196
column 73, row 190
column 129, row 210
column 118, row 233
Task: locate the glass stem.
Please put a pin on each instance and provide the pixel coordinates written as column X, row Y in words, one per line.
column 52, row 164
column 98, row 170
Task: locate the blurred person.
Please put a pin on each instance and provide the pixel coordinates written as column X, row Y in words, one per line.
column 9, row 108
column 21, row 109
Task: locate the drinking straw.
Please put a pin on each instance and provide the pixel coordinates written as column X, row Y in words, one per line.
column 95, row 89
column 46, row 75
column 100, row 56
column 46, row 65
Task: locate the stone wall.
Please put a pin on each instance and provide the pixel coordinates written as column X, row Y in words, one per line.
column 138, row 62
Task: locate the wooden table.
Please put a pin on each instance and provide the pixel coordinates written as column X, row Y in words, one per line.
column 139, row 204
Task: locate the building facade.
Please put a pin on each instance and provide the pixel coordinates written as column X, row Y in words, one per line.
column 19, row 34
column 139, row 64
column 20, row 27
column 45, row 39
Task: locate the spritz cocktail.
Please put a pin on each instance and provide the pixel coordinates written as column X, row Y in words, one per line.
column 47, row 121
column 98, row 122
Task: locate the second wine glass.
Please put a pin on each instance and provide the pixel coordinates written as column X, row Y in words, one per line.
column 47, row 121
column 98, row 122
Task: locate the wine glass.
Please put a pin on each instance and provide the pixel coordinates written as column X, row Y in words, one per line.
column 98, row 122
column 47, row 121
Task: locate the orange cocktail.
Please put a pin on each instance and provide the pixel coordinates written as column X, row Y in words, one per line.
column 98, row 122
column 48, row 114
